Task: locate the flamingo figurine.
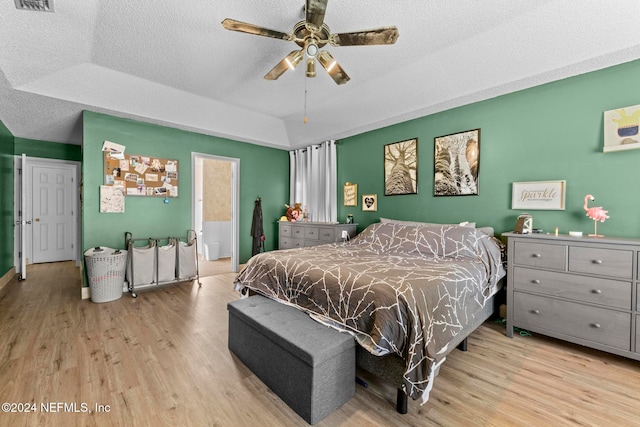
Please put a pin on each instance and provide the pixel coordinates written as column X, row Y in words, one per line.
column 596, row 214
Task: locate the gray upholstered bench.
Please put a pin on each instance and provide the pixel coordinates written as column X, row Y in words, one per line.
column 309, row 365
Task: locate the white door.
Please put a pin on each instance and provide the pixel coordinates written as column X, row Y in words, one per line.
column 22, row 222
column 53, row 216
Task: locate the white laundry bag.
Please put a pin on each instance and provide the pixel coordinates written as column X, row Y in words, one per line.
column 144, row 265
column 167, row 262
column 187, row 262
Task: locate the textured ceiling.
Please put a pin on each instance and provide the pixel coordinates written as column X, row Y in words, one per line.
column 172, row 63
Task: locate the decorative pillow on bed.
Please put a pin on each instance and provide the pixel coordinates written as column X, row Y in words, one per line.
column 399, row 221
column 434, row 241
column 486, row 230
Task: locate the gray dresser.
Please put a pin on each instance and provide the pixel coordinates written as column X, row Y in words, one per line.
column 302, row 234
column 580, row 289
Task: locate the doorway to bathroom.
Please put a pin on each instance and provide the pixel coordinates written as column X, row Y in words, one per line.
column 214, row 212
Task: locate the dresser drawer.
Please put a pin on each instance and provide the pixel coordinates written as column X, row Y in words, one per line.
column 327, row 234
column 602, row 262
column 311, row 233
column 285, row 230
column 612, row 293
column 540, row 255
column 297, row 232
column 289, row 243
column 599, row 325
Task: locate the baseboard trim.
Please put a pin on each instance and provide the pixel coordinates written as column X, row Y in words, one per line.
column 7, row 277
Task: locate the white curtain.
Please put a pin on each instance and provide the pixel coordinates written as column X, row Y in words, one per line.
column 313, row 180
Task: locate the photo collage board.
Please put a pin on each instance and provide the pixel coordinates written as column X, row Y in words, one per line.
column 141, row 175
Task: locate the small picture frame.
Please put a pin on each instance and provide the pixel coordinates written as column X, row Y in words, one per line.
column 369, row 202
column 539, row 195
column 350, row 194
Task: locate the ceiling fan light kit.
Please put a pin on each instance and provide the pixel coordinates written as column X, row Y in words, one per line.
column 311, row 67
column 312, row 35
column 311, row 48
column 295, row 59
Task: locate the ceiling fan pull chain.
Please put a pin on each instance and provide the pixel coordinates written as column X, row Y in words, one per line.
column 305, row 100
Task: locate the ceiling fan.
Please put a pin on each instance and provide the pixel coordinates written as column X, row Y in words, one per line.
column 311, row 35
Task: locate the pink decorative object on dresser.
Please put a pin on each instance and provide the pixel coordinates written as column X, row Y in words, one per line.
column 596, row 214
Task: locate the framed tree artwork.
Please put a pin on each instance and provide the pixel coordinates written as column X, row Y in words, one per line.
column 401, row 167
column 456, row 164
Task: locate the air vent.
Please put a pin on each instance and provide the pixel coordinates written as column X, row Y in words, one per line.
column 35, row 5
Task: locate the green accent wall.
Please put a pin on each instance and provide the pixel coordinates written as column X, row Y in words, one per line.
column 48, row 150
column 549, row 132
column 6, row 199
column 264, row 172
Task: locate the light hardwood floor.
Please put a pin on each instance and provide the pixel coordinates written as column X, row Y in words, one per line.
column 211, row 268
column 162, row 359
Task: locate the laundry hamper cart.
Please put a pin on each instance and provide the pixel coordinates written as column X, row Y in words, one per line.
column 105, row 269
column 155, row 264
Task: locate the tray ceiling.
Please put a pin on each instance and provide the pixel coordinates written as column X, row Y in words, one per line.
column 172, row 63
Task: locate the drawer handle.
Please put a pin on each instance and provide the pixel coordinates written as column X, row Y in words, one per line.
column 536, row 255
column 536, row 281
column 596, row 291
column 535, row 311
column 595, row 325
column 597, row 261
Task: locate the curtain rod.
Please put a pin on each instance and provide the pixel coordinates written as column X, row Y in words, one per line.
column 316, row 146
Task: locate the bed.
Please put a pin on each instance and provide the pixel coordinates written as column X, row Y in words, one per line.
column 409, row 293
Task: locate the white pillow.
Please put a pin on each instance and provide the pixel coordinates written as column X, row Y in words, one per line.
column 468, row 224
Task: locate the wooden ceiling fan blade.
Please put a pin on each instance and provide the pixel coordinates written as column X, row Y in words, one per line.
column 243, row 27
column 288, row 63
column 315, row 10
column 377, row 36
column 333, row 68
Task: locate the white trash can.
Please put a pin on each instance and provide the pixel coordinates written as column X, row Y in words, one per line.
column 212, row 251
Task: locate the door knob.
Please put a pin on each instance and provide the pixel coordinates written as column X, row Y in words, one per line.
column 37, row 220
